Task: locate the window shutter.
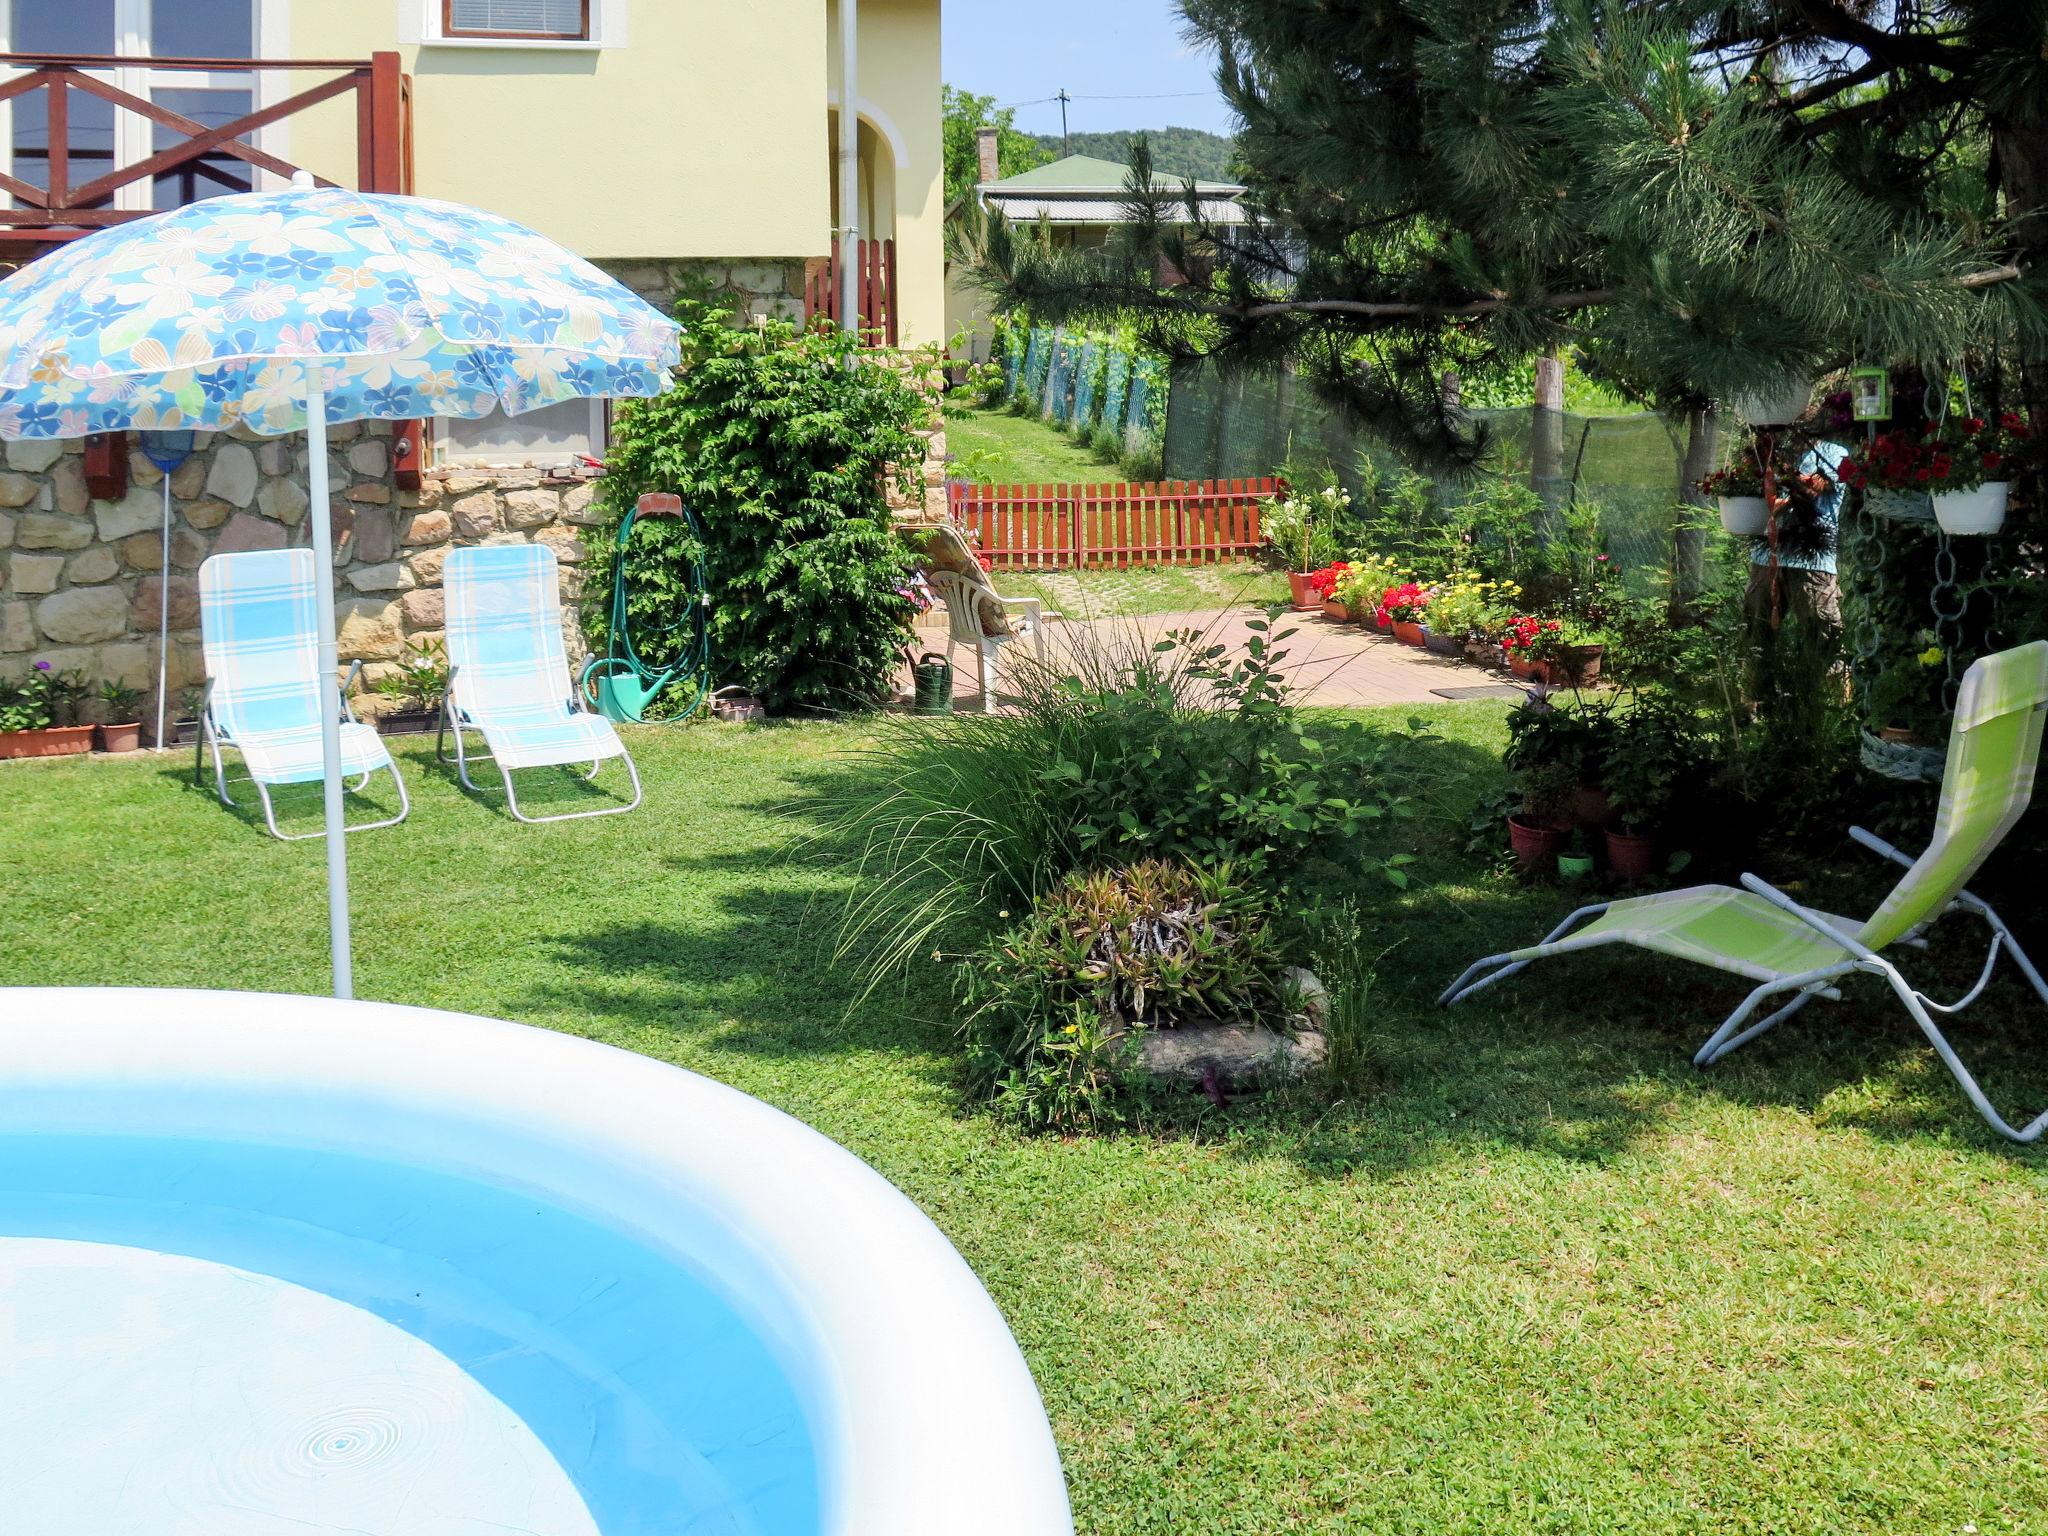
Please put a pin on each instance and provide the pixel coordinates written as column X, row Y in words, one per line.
column 548, row 18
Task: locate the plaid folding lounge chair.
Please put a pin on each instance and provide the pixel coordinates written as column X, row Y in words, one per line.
column 264, row 692
column 508, row 673
column 1763, row 934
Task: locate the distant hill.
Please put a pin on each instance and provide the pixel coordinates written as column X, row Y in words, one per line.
column 1175, row 151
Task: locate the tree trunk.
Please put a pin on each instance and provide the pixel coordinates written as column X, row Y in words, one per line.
column 1546, row 431
column 2020, row 166
column 1689, row 541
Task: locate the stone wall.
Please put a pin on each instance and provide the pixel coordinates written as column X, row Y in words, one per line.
column 82, row 584
column 764, row 289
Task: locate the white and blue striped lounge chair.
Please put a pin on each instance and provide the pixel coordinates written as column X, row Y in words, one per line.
column 508, row 673
column 264, row 692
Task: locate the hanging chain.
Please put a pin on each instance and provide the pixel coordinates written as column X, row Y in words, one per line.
column 1950, row 601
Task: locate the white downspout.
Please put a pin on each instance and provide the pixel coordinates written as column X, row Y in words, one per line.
column 849, row 164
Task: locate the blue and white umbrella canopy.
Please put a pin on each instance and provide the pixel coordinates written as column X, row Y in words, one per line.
column 212, row 316
column 281, row 311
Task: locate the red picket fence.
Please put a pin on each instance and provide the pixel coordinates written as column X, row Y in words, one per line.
column 1174, row 522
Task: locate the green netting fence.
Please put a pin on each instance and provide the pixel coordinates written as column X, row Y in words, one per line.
column 1251, row 424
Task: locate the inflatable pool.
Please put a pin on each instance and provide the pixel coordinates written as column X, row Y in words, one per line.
column 273, row 1263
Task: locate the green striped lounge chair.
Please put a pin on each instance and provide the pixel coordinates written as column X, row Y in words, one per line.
column 508, row 674
column 1795, row 953
column 264, row 693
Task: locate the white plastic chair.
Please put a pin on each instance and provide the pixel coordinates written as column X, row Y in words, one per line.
column 264, row 692
column 508, row 674
column 979, row 616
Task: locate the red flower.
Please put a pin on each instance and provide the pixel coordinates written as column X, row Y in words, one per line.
column 1921, row 473
column 2012, row 421
column 1973, row 424
column 1993, row 460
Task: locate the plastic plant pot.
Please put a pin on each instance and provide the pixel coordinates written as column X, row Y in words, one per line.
column 1631, row 856
column 1574, row 866
column 1979, row 511
column 1744, row 516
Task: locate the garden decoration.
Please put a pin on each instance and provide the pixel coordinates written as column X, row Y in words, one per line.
column 166, row 450
column 619, row 684
column 282, row 311
column 1764, row 935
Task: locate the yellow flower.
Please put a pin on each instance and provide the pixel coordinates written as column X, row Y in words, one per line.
column 1932, row 656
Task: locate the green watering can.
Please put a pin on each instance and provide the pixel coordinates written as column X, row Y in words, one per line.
column 619, row 685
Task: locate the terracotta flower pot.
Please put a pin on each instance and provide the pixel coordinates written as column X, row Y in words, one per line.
column 53, row 741
column 1338, row 612
column 1521, row 666
column 125, row 737
column 1902, row 736
column 1631, row 856
column 1537, row 843
column 1408, row 632
column 1301, row 593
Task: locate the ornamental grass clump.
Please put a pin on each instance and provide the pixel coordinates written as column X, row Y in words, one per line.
column 1129, row 749
column 1056, row 1004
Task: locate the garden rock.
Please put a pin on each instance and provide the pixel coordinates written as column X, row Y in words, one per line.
column 1240, row 1058
column 189, row 478
column 34, row 575
column 245, row 531
column 531, row 509
column 139, row 510
column 83, row 616
column 233, row 477
column 369, row 629
column 147, row 611
column 17, row 629
column 284, row 500
column 96, row 564
column 50, row 530
column 17, row 490
column 207, row 514
column 34, row 455
column 476, row 515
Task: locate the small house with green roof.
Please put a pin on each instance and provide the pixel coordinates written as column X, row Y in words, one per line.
column 1082, row 198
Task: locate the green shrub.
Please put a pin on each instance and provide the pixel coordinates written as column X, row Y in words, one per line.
column 1138, row 750
column 784, row 442
column 1055, row 1004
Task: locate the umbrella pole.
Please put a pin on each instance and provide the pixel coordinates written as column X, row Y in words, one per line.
column 330, row 677
column 163, row 628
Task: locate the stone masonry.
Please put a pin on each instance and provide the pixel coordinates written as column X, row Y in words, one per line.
column 82, row 584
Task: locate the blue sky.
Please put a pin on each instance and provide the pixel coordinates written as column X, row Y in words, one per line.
column 1020, row 51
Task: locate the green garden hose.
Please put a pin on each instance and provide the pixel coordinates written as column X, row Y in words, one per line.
column 618, row 684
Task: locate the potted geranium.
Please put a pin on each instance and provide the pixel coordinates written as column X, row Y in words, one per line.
column 1544, row 753
column 39, row 716
column 1323, row 584
column 1738, row 489
column 1971, row 460
column 1405, row 605
column 1356, row 591
column 1894, row 471
column 1645, row 761
column 122, row 729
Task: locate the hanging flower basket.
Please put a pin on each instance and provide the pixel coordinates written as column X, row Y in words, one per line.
column 1977, row 511
column 1778, row 405
column 1899, row 506
column 1904, row 760
column 1744, row 516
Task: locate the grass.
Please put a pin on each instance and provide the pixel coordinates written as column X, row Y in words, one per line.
column 994, row 447
column 1148, row 589
column 1543, row 1277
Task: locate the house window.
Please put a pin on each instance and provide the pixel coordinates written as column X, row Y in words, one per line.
column 567, row 20
column 100, row 137
column 554, row 434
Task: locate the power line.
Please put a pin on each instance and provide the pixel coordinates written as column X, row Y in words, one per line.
column 1063, row 96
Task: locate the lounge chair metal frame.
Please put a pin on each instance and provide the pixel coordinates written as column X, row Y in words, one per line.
column 452, row 716
column 1983, row 796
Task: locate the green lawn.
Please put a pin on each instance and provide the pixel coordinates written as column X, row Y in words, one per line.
column 1543, row 1277
column 1148, row 589
column 994, row 447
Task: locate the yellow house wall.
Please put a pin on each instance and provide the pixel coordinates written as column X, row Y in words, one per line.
column 899, row 98
column 702, row 137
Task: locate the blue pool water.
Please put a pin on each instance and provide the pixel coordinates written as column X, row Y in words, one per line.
column 664, row 1407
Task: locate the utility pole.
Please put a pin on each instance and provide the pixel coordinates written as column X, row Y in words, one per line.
column 1066, row 147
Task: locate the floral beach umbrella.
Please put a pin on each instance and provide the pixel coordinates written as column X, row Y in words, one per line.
column 284, row 311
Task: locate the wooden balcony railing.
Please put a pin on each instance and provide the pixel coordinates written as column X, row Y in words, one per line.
column 66, row 206
column 875, row 289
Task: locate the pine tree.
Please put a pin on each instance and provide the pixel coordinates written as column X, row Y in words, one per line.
column 1699, row 197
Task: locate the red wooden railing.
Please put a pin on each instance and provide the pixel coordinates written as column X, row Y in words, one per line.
column 875, row 283
column 1174, row 522
column 65, row 208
